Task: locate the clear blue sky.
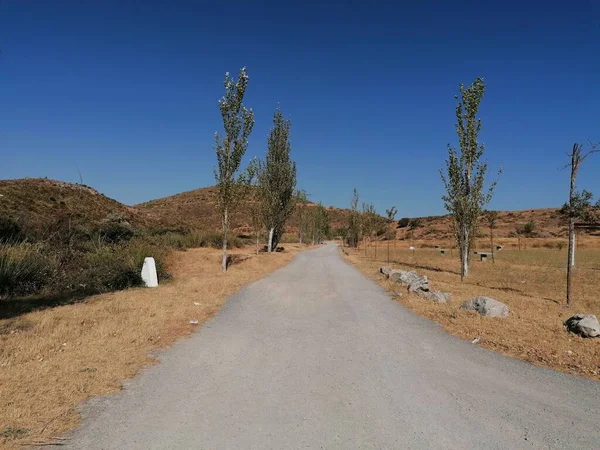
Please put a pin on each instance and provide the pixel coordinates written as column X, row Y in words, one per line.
column 127, row 91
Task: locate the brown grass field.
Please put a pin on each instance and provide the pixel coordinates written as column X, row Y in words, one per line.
column 531, row 282
column 52, row 360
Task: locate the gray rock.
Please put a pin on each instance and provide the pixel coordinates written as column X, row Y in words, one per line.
column 412, row 280
column 585, row 325
column 436, row 296
column 486, row 306
column 385, row 270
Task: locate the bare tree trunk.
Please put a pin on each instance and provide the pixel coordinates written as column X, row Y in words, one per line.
column 225, row 230
column 575, row 161
column 492, row 243
column 388, row 259
column 571, row 259
column 270, row 247
column 257, row 239
column 464, row 254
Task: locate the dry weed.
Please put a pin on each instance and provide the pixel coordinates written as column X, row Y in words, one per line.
column 52, row 360
column 532, row 283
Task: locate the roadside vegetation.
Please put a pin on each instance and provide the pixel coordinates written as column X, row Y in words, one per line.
column 52, row 360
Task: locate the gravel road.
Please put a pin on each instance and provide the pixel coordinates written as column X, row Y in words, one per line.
column 317, row 356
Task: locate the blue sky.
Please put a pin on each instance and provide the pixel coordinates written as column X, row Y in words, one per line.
column 127, row 91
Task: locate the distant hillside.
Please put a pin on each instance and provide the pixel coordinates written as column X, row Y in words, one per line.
column 39, row 202
column 548, row 223
column 198, row 209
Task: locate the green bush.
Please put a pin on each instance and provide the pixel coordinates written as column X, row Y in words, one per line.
column 106, row 269
column 23, row 269
column 137, row 250
column 114, row 228
column 116, row 267
column 196, row 239
column 403, row 223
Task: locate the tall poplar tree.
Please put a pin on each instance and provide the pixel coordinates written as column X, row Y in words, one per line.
column 278, row 180
column 464, row 181
column 238, row 122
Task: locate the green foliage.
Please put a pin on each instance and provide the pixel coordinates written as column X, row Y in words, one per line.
column 114, row 267
column 354, row 221
column 301, row 202
column 115, row 229
column 10, row 230
column 277, row 178
column 403, row 223
column 107, row 269
column 341, row 232
column 527, row 229
column 465, row 197
column 581, row 207
column 24, row 269
column 197, row 239
column 369, row 219
column 391, row 213
column 238, row 122
column 319, row 224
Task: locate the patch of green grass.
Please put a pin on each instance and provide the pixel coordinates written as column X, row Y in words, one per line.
column 24, row 269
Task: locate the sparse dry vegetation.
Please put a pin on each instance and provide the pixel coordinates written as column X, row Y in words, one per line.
column 531, row 282
column 53, row 359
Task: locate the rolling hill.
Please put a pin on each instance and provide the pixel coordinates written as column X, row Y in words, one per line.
column 41, row 201
column 38, row 203
column 198, row 209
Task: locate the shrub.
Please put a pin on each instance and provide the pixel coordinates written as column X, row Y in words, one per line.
column 527, row 229
column 10, row 230
column 23, row 269
column 114, row 228
column 196, row 239
column 415, row 223
column 403, row 223
column 116, row 267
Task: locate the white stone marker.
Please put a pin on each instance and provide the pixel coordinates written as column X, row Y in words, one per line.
column 149, row 273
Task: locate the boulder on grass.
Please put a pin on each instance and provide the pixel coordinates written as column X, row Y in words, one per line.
column 385, row 270
column 486, row 306
column 436, row 296
column 414, row 281
column 585, row 325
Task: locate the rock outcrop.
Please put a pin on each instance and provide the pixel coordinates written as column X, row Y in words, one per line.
column 486, row 306
column 585, row 325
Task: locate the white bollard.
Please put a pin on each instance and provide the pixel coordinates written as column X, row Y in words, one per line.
column 149, row 273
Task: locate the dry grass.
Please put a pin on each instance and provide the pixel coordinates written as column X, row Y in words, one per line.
column 52, row 360
column 531, row 283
